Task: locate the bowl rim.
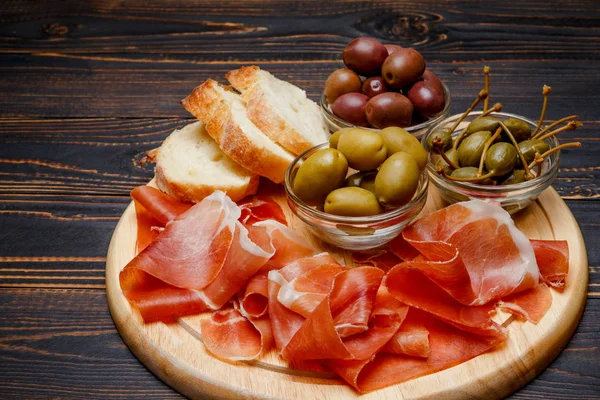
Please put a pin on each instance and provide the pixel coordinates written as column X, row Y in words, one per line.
column 385, row 216
column 547, row 175
column 325, row 109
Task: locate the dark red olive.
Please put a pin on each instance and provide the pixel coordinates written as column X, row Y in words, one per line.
column 392, row 48
column 373, row 86
column 402, row 68
column 351, row 108
column 389, row 109
column 427, row 95
column 364, row 55
column 341, row 81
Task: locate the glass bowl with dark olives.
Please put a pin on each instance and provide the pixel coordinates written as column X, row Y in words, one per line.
column 418, row 127
column 502, row 177
column 384, row 85
column 357, row 194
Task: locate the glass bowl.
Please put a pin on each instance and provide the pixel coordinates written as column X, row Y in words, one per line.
column 512, row 198
column 335, row 123
column 353, row 233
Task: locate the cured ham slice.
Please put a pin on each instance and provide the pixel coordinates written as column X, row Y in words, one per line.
column 449, row 346
column 255, row 299
column 228, row 334
column 381, row 259
column 146, row 224
column 411, row 287
column 261, row 208
column 289, row 245
column 552, row 257
column 530, row 305
column 473, row 251
column 205, row 251
column 412, row 339
column 161, row 206
column 192, row 249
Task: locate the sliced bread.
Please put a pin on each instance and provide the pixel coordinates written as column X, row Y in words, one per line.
column 190, row 166
column 279, row 109
column 235, row 134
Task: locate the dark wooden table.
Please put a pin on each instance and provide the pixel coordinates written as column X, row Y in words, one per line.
column 87, row 87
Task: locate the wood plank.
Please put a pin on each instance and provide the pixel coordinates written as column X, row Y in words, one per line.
column 151, row 85
column 102, row 156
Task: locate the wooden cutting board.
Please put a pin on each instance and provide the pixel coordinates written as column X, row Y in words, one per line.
column 175, row 353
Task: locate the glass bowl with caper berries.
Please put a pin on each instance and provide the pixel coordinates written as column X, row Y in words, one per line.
column 359, row 193
column 479, row 160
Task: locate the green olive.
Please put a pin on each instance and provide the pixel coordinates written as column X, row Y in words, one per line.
column 397, row 180
column 465, row 172
column 443, row 134
column 516, row 176
column 319, row 174
column 470, row 172
column 501, row 158
column 483, row 124
column 519, row 129
column 471, row 148
column 452, row 155
column 364, row 149
column 357, row 178
column 352, row 202
column 398, row 139
column 532, row 146
column 333, row 139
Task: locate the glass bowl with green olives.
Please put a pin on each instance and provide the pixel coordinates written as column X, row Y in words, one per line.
column 507, row 184
column 418, row 127
column 368, row 222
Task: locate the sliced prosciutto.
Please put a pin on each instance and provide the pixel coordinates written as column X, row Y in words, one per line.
column 472, row 250
column 530, row 305
column 412, row 339
column 449, row 346
column 228, row 334
column 552, row 257
column 261, row 208
column 205, row 250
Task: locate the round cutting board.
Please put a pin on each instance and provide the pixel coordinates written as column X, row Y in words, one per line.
column 175, row 352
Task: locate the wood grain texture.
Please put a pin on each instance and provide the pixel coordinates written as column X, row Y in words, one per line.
column 104, row 156
column 87, row 87
column 181, row 361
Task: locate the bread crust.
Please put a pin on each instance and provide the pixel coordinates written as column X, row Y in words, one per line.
column 272, row 124
column 241, row 79
column 234, row 142
column 205, row 99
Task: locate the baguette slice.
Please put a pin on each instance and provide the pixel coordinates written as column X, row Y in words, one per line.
column 279, row 109
column 235, row 134
column 190, row 166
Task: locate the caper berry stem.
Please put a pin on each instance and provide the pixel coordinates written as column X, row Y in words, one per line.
column 486, row 148
column 481, row 96
column 540, row 159
column 528, row 174
column 560, row 121
column 495, row 108
column 571, row 126
column 486, row 74
column 437, row 143
column 546, row 90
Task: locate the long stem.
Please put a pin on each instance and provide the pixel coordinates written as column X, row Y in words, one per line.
column 486, row 73
column 540, row 159
column 486, row 148
column 560, row 121
column 482, row 95
column 495, row 108
column 521, row 156
column 545, row 91
column 571, row 126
